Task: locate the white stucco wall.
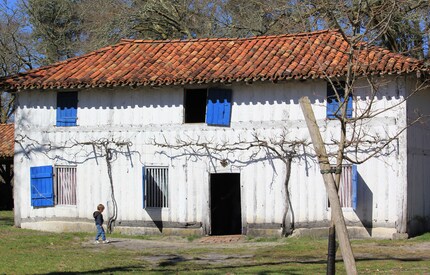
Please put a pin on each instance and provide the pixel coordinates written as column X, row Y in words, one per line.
column 143, row 114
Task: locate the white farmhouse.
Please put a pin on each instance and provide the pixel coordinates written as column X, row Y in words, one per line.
column 177, row 136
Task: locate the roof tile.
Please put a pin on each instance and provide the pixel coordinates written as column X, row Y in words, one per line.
column 7, row 140
column 151, row 62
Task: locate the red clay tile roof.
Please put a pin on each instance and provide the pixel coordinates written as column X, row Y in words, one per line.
column 175, row 62
column 7, row 140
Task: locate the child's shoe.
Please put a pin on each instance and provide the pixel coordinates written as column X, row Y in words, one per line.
column 96, row 242
column 106, row 241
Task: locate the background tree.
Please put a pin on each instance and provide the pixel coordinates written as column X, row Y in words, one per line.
column 182, row 19
column 104, row 22
column 16, row 51
column 56, row 28
column 253, row 18
column 400, row 26
column 66, row 28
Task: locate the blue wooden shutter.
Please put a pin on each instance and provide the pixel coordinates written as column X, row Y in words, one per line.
column 143, row 186
column 349, row 107
column 332, row 106
column 67, row 105
column 354, row 178
column 332, row 102
column 218, row 108
column 42, row 191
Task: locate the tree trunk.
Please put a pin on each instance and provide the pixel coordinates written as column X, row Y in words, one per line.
column 336, row 210
column 331, row 250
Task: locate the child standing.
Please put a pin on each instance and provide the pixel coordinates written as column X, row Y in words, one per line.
column 98, row 218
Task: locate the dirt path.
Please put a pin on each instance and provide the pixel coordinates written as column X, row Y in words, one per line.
column 173, row 250
column 167, row 251
column 172, row 244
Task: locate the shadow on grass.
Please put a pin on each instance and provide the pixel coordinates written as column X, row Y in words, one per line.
column 110, row 270
column 174, row 259
column 6, row 218
column 177, row 259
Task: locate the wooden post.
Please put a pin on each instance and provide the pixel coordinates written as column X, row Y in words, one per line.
column 336, row 210
column 331, row 250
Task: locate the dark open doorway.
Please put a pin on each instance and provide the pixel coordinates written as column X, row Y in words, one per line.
column 6, row 183
column 226, row 216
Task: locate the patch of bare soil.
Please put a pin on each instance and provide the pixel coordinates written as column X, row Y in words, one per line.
column 166, row 250
column 405, row 251
column 166, row 244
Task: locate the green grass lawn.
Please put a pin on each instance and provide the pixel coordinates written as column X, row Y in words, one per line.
column 33, row 252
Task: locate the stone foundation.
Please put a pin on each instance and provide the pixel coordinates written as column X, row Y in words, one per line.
column 354, row 232
column 253, row 230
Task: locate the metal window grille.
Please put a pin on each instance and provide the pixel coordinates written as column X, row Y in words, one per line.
column 345, row 187
column 65, row 185
column 157, row 187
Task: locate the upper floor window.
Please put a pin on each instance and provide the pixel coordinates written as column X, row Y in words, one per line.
column 333, row 104
column 212, row 106
column 195, row 105
column 67, row 106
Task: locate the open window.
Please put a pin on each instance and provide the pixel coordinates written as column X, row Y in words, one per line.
column 195, row 105
column 333, row 104
column 49, row 189
column 155, row 187
column 67, row 106
column 348, row 187
column 211, row 106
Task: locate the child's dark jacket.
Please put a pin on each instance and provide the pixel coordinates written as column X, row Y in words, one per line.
column 98, row 218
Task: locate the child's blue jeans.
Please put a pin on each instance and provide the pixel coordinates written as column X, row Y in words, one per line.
column 100, row 232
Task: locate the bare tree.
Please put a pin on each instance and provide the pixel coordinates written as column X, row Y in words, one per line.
column 175, row 19
column 62, row 29
column 16, row 51
column 401, row 26
column 253, row 18
column 105, row 22
column 355, row 143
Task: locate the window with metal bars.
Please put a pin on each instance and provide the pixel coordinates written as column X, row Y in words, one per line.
column 65, row 185
column 155, row 187
column 348, row 187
